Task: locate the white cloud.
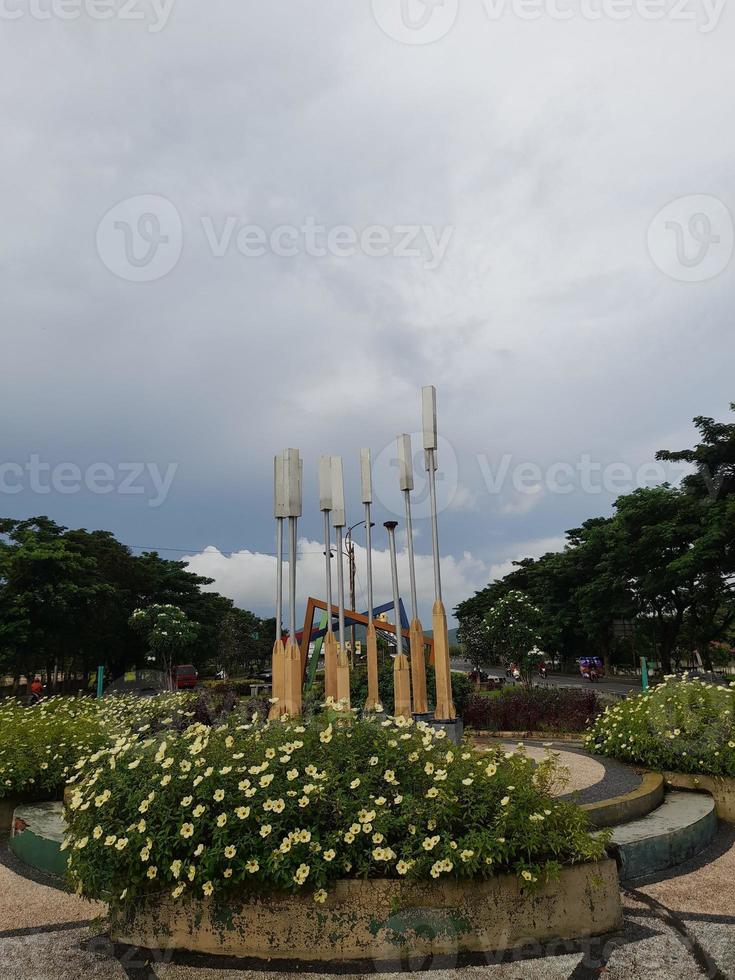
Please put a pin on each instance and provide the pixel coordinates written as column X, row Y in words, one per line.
column 249, row 578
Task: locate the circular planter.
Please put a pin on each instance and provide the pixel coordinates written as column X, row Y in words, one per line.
column 376, row 919
column 720, row 788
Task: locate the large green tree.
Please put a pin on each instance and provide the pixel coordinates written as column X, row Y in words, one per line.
column 663, row 565
column 66, row 598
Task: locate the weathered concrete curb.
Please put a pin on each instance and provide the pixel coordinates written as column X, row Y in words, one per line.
column 629, row 806
column 720, row 788
column 376, row 919
column 37, row 833
column 478, row 735
column 680, row 828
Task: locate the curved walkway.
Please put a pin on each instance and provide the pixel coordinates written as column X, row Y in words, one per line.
column 592, row 778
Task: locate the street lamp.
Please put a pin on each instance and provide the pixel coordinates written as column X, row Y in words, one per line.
column 349, row 553
column 350, row 546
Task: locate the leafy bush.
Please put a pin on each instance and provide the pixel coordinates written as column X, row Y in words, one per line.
column 535, row 709
column 685, row 726
column 461, row 686
column 40, row 744
column 241, row 686
column 292, row 806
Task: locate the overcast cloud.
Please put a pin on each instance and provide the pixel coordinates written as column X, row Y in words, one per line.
column 513, row 170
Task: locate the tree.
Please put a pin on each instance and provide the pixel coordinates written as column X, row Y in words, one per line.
column 66, row 598
column 713, row 458
column 664, row 562
column 244, row 642
column 47, row 590
column 473, row 636
column 168, row 632
column 512, row 627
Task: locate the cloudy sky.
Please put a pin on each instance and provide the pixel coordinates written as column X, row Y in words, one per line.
column 228, row 228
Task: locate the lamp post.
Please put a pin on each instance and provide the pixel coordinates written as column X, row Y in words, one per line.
column 330, row 644
column 418, row 663
column 372, row 702
column 339, row 520
column 350, row 555
column 445, row 710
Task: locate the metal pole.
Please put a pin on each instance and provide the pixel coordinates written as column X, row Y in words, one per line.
column 351, row 559
column 369, row 551
column 340, row 588
column 279, row 578
column 328, row 553
column 411, row 565
column 431, row 469
column 292, row 578
column 339, row 520
column 280, row 510
column 390, row 527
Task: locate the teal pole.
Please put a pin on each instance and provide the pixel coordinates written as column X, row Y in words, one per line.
column 100, row 678
column 644, row 673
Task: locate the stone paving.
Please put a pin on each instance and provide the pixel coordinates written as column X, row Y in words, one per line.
column 681, row 927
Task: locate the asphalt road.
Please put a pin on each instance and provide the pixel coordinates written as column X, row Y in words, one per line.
column 617, row 685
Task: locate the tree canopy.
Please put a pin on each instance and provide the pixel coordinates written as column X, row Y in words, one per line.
column 656, row 577
column 67, row 597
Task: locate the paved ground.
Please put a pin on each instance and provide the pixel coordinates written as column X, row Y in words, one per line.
column 680, row 928
column 585, row 778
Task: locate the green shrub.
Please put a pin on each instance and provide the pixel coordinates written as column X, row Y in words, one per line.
column 41, row 744
column 462, row 686
column 294, row 806
column 685, row 726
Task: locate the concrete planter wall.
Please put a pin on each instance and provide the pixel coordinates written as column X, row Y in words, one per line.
column 374, row 920
column 720, row 788
column 7, row 808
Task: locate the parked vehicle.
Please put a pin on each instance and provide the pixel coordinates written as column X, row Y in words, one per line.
column 186, row 676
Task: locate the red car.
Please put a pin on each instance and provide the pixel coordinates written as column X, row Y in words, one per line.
column 186, row 676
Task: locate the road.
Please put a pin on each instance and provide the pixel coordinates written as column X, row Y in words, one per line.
column 616, row 685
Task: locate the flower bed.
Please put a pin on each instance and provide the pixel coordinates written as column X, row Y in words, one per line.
column 40, row 745
column 686, row 726
column 536, row 709
column 294, row 807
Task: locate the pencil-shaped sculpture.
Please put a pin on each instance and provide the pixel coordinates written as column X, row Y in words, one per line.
column 401, row 672
column 339, row 520
column 293, row 671
column 373, row 702
column 278, row 663
column 418, row 662
column 330, row 643
column 445, row 710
